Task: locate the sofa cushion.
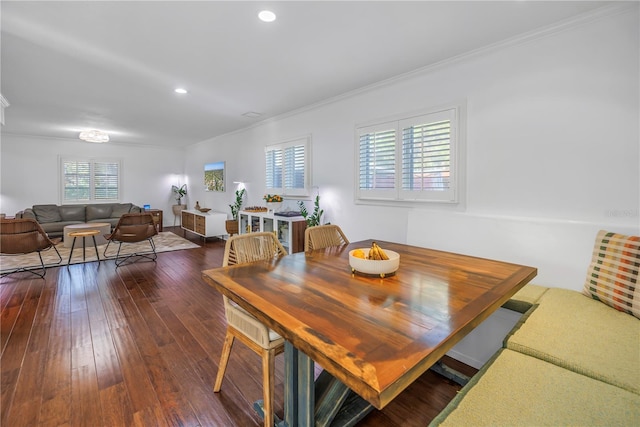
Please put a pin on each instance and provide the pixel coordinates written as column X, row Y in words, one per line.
column 46, row 213
column 99, row 211
column 55, row 229
column 120, row 209
column 519, row 390
column 577, row 333
column 612, row 277
column 72, row 213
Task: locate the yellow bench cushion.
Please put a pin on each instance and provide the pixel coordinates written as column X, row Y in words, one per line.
column 583, row 335
column 519, row 390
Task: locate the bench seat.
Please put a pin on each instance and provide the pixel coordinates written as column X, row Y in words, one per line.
column 515, row 389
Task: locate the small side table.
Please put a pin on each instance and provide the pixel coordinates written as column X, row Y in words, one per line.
column 157, row 217
column 84, row 234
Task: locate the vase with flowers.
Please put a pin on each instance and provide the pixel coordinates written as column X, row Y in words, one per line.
column 274, row 201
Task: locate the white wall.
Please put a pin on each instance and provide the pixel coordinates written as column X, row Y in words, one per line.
column 552, row 149
column 552, row 152
column 30, row 174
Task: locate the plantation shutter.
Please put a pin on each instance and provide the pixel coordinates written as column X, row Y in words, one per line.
column 90, row 180
column 377, row 161
column 427, row 157
column 105, row 180
column 77, row 181
column 287, row 168
column 274, row 170
column 294, row 161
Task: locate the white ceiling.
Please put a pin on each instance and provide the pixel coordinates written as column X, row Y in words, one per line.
column 69, row 66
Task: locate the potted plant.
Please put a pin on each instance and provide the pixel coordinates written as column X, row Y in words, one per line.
column 314, row 218
column 232, row 224
column 179, row 193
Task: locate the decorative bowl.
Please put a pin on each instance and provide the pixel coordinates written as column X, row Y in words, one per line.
column 205, row 210
column 376, row 267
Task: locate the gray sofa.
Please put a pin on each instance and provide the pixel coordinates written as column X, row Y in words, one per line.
column 54, row 218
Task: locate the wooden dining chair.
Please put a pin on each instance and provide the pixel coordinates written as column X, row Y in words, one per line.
column 133, row 228
column 323, row 236
column 241, row 249
column 22, row 236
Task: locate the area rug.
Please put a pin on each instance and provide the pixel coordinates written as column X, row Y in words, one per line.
column 164, row 241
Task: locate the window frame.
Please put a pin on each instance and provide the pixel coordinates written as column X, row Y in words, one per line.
column 284, row 191
column 456, row 113
column 63, row 160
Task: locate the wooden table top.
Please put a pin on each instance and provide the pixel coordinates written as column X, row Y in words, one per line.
column 375, row 335
column 84, row 233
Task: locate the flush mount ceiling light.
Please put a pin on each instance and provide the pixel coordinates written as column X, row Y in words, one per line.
column 267, row 16
column 180, row 90
column 96, row 136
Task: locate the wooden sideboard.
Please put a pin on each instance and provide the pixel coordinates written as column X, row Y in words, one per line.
column 209, row 224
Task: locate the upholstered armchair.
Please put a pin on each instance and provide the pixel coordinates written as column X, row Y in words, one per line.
column 25, row 236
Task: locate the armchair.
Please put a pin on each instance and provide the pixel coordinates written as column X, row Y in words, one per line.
column 133, row 228
column 24, row 236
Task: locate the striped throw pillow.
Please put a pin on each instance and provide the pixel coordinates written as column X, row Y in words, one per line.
column 612, row 277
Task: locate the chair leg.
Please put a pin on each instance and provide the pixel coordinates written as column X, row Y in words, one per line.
column 268, row 380
column 224, row 360
column 152, row 256
column 105, row 249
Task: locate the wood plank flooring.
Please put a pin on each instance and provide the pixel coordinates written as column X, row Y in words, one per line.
column 92, row 345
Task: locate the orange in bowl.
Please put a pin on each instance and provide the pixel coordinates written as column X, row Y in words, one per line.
column 358, row 253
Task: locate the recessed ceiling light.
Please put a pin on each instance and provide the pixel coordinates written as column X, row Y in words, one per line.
column 180, row 90
column 267, row 16
column 96, row 136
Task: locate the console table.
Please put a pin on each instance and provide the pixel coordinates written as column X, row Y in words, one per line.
column 289, row 230
column 205, row 224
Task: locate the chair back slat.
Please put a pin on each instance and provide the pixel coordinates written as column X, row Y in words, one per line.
column 323, row 236
column 244, row 248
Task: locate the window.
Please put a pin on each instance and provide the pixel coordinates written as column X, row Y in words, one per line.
column 287, row 167
column 411, row 159
column 90, row 180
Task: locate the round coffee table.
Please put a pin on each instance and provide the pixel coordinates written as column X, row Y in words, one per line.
column 103, row 227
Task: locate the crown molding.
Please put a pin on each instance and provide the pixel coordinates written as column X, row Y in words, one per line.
column 540, row 33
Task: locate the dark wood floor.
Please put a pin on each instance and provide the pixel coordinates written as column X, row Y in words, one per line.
column 92, row 345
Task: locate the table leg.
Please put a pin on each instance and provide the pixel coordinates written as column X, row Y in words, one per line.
column 299, row 393
column 290, row 384
column 83, row 249
column 336, row 404
column 95, row 245
column 73, row 243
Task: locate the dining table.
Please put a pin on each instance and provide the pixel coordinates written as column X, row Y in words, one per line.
column 372, row 336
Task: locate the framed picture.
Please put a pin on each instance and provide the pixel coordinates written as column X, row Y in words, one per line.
column 214, row 176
